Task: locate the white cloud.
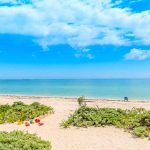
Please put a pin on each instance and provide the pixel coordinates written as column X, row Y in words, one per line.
column 135, row 1
column 8, row 1
column 33, row 55
column 90, row 56
column 137, row 54
column 84, row 55
column 77, row 55
column 85, row 52
column 85, row 49
column 77, row 23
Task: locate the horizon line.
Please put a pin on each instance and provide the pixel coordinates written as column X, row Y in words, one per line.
column 66, row 78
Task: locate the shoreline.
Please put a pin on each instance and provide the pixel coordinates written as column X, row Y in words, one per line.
column 74, row 98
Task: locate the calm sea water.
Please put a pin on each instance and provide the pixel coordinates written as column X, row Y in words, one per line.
column 137, row 89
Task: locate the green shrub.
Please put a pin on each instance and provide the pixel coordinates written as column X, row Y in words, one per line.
column 140, row 132
column 136, row 120
column 18, row 140
column 81, row 101
column 20, row 111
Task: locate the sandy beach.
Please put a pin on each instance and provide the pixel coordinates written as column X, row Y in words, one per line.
column 99, row 138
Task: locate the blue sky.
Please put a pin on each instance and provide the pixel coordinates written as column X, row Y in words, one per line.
column 74, row 39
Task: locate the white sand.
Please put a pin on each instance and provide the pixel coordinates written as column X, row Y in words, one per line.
column 108, row 138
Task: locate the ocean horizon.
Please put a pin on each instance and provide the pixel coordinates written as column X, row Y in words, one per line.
column 116, row 89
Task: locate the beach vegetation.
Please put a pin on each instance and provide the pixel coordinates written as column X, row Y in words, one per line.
column 81, row 101
column 20, row 111
column 136, row 120
column 140, row 131
column 18, row 140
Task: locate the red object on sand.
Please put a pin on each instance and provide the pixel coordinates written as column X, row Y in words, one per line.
column 37, row 120
column 40, row 123
column 27, row 124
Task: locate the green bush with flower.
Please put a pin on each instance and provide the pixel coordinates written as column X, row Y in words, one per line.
column 20, row 111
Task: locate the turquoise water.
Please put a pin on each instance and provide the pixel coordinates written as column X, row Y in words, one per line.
column 138, row 89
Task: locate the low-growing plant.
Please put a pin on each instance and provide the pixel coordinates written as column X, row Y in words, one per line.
column 136, row 120
column 140, row 131
column 81, row 101
column 18, row 140
column 20, row 111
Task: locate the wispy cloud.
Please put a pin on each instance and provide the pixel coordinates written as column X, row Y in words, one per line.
column 85, row 53
column 77, row 23
column 90, row 56
column 137, row 54
column 135, row 1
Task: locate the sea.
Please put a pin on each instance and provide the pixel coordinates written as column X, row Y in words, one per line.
column 111, row 89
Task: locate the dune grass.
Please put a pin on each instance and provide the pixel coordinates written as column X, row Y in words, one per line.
column 20, row 111
column 136, row 120
column 18, row 140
